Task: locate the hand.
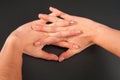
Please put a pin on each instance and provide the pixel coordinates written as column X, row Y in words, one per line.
column 84, row 40
column 27, row 36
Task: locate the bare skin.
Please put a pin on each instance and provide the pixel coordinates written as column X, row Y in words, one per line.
column 22, row 40
column 92, row 33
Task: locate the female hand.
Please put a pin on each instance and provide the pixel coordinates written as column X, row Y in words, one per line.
column 84, row 40
column 25, row 36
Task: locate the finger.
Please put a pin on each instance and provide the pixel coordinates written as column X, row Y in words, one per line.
column 57, row 42
column 55, row 27
column 44, row 21
column 38, row 53
column 52, row 28
column 58, row 36
column 51, row 14
column 65, row 33
column 40, row 23
column 60, row 23
column 37, row 24
column 66, row 44
column 49, row 18
column 67, row 54
column 70, row 52
column 48, row 56
column 60, row 13
column 49, row 40
column 57, row 21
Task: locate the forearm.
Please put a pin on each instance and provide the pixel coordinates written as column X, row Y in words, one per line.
column 10, row 61
column 108, row 38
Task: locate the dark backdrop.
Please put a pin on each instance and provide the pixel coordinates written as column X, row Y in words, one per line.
column 94, row 63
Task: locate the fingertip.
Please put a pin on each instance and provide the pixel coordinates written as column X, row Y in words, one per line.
column 51, row 8
column 52, row 57
column 61, row 59
column 78, row 31
column 55, row 11
column 42, row 15
column 39, row 15
column 37, row 43
column 71, row 22
column 55, row 58
column 66, row 55
column 75, row 46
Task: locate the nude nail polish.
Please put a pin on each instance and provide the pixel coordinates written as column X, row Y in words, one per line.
column 77, row 31
column 75, row 46
column 37, row 44
column 61, row 59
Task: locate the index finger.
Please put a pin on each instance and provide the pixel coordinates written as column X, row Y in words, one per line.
column 60, row 13
column 39, row 23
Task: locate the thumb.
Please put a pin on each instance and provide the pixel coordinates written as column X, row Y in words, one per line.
column 65, row 55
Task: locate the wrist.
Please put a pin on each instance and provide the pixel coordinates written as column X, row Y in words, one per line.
column 99, row 32
column 13, row 45
column 92, row 31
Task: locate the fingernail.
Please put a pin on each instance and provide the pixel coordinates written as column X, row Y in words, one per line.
column 52, row 7
column 77, row 31
column 41, row 15
column 75, row 46
column 61, row 59
column 70, row 22
column 37, row 43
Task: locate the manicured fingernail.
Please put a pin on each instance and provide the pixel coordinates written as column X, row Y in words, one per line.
column 52, row 7
column 70, row 22
column 77, row 31
column 75, row 46
column 61, row 59
column 37, row 43
column 41, row 15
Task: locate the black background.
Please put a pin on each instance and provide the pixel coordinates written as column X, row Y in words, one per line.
column 94, row 63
